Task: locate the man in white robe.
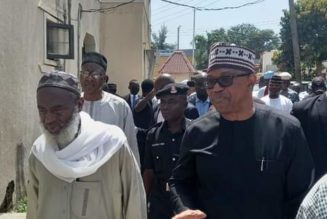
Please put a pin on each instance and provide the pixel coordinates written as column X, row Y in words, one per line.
column 275, row 99
column 79, row 168
column 103, row 106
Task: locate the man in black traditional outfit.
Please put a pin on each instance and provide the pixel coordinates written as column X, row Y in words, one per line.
column 244, row 160
column 312, row 113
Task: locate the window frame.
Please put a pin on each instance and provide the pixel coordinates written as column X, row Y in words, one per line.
column 70, row 28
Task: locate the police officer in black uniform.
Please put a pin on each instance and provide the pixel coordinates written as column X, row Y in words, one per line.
column 162, row 149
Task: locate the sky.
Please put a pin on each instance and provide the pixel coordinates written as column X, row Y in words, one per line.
column 264, row 15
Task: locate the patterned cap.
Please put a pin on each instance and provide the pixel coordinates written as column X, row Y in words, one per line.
column 231, row 56
column 276, row 79
column 173, row 89
column 94, row 57
column 61, row 80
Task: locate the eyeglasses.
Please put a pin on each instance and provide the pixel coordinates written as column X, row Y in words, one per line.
column 94, row 75
column 223, row 81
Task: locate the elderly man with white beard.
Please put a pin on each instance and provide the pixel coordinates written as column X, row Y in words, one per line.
column 79, row 168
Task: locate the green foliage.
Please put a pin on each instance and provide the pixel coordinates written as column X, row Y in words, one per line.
column 201, row 55
column 218, row 35
column 246, row 35
column 202, row 46
column 312, row 33
column 284, row 58
column 21, row 205
column 159, row 41
column 313, row 5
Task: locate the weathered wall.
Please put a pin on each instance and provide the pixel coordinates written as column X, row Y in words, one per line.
column 124, row 39
column 20, row 55
column 22, row 58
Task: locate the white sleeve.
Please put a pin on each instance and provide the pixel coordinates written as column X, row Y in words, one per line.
column 130, row 132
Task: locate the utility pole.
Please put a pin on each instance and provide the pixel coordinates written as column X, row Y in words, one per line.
column 178, row 29
column 295, row 42
column 193, row 41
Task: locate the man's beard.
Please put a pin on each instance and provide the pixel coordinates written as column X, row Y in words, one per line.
column 67, row 134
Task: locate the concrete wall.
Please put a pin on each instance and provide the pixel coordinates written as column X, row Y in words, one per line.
column 267, row 64
column 22, row 58
column 124, row 39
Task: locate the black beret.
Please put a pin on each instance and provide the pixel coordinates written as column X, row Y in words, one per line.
column 61, row 80
column 173, row 89
column 94, row 57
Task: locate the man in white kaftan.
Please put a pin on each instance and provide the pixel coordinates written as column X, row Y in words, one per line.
column 80, row 168
column 103, row 106
column 276, row 100
column 114, row 110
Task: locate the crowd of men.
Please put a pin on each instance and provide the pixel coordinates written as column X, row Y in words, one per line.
column 207, row 148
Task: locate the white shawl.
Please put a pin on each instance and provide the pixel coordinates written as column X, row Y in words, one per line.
column 94, row 146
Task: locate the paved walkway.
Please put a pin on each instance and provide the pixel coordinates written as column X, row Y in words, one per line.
column 12, row 216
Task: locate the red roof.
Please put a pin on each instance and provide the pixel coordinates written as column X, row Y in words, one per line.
column 177, row 63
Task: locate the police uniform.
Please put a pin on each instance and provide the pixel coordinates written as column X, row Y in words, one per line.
column 161, row 155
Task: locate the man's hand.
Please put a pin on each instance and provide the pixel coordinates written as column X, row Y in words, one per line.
column 143, row 102
column 190, row 214
column 150, row 95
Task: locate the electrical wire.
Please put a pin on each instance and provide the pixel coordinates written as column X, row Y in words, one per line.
column 214, row 9
column 167, row 7
column 104, row 10
column 266, row 24
column 174, row 11
column 208, row 30
column 256, row 23
column 164, row 19
column 175, row 14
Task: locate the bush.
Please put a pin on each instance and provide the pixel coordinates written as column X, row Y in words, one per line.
column 21, row 205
